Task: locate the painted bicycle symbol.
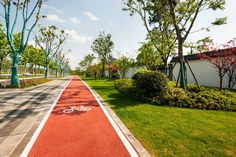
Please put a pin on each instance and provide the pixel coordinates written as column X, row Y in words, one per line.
column 76, row 109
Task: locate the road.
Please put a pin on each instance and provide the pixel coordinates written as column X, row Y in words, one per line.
column 79, row 126
column 21, row 111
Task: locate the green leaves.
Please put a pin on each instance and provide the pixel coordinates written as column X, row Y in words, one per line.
column 103, row 45
column 220, row 21
column 217, row 4
column 123, row 64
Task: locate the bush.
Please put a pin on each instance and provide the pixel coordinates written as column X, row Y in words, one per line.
column 207, row 98
column 124, row 85
column 156, row 83
column 150, row 83
column 33, row 82
column 115, row 76
column 175, row 97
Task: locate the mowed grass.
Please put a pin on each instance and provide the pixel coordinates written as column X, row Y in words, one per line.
column 169, row 131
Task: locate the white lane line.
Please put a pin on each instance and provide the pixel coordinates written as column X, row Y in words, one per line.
column 125, row 141
column 41, row 125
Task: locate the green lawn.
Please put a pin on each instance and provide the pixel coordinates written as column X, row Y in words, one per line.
column 169, row 131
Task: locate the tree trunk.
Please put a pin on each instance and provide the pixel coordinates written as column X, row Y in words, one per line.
column 56, row 69
column 103, row 70
column 25, row 70
column 46, row 74
column 221, row 81
column 166, row 67
column 230, row 81
column 183, row 83
column 35, row 70
column 14, row 75
column 1, row 62
column 109, row 69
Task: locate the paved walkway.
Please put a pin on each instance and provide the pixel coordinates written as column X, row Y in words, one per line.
column 21, row 111
column 77, row 126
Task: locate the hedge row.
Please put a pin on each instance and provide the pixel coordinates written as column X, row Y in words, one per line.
column 147, row 88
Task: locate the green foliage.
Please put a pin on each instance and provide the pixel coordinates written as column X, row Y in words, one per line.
column 175, row 97
column 169, row 131
column 151, row 83
column 50, row 40
column 207, row 98
column 87, row 61
column 148, row 56
column 124, row 85
column 160, row 35
column 20, row 14
column 115, row 76
column 103, row 45
column 123, row 65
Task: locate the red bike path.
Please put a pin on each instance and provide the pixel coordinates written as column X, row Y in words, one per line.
column 85, row 134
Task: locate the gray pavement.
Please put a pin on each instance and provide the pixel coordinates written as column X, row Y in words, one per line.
column 21, row 111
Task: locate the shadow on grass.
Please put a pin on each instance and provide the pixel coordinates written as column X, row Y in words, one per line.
column 105, row 88
column 119, row 101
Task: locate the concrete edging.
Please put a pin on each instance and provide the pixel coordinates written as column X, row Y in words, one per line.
column 131, row 138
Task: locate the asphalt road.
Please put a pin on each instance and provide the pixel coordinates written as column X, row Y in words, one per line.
column 21, row 111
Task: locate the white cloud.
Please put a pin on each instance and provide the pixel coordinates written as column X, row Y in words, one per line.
column 55, row 18
column 91, row 16
column 75, row 20
column 75, row 37
column 52, row 8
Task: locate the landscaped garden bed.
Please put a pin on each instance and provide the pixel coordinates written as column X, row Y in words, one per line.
column 28, row 82
column 152, row 87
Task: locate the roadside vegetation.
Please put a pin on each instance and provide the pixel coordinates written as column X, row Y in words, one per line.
column 17, row 55
column 171, row 131
column 153, row 87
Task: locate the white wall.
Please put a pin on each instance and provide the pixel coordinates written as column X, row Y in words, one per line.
column 132, row 71
column 204, row 71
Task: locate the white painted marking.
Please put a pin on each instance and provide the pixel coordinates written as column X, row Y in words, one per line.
column 77, row 109
column 125, row 141
column 41, row 125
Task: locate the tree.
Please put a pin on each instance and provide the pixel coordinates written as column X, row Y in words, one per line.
column 223, row 57
column 232, row 64
column 29, row 12
column 182, row 15
column 148, row 56
column 61, row 63
column 103, row 45
column 159, row 31
column 87, row 62
column 50, row 40
column 199, row 46
column 4, row 48
column 123, row 65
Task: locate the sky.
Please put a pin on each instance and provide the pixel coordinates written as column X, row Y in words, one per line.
column 84, row 19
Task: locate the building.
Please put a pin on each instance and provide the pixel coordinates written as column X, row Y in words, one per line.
column 205, row 72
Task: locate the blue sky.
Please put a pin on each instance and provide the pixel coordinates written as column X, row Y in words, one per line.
column 84, row 19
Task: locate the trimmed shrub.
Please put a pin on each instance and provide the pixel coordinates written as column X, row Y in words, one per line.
column 124, row 85
column 207, row 98
column 176, row 97
column 150, row 83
